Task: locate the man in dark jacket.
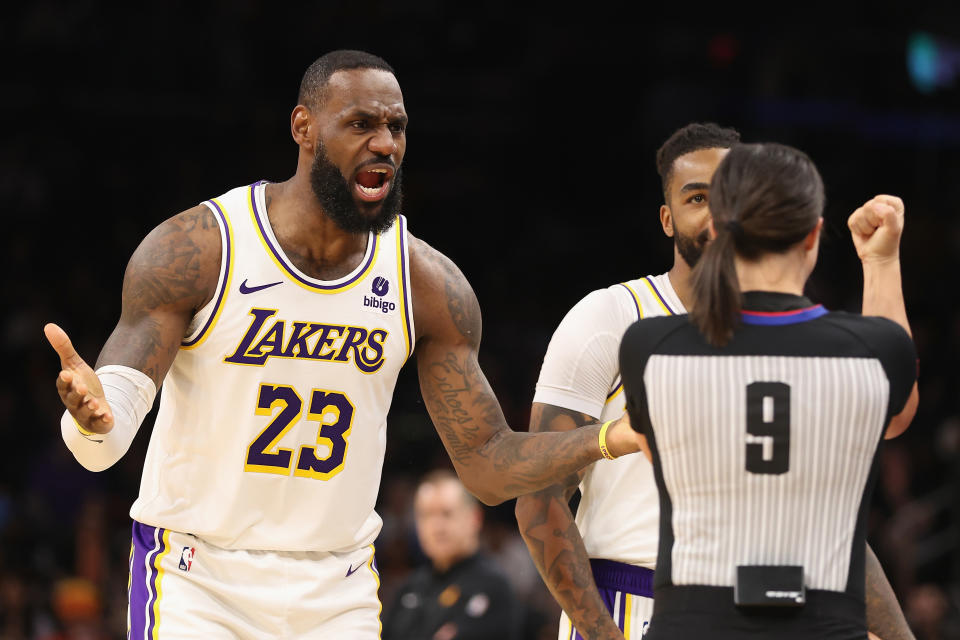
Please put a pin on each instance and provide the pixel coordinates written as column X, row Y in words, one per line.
column 460, row 594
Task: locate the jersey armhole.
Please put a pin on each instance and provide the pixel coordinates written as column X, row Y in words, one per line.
column 406, row 300
column 204, row 320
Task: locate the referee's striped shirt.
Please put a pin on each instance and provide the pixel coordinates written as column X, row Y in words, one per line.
column 764, row 454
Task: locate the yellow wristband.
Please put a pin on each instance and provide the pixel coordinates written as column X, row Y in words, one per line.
column 81, row 429
column 603, row 441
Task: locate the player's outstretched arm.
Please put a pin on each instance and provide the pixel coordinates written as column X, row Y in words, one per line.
column 556, row 546
column 172, row 273
column 876, row 229
column 494, row 462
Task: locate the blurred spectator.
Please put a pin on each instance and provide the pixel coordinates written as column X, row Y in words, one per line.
column 460, row 594
column 929, row 613
column 77, row 605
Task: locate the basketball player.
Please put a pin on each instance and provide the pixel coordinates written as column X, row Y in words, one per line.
column 599, row 566
column 277, row 317
column 765, row 470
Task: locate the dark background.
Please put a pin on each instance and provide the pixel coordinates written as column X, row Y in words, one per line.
column 530, row 162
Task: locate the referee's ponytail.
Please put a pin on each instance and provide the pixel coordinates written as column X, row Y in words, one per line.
column 764, row 198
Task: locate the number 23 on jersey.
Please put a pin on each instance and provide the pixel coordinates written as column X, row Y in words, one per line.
column 331, row 409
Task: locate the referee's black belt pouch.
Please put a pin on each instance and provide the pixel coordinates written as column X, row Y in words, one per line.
column 769, row 586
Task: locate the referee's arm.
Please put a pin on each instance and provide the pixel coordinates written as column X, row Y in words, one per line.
column 876, row 229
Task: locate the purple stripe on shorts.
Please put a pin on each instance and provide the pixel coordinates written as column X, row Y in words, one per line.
column 612, row 577
column 147, row 545
column 609, row 597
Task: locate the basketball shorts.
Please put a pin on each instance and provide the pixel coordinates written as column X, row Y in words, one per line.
column 628, row 593
column 183, row 587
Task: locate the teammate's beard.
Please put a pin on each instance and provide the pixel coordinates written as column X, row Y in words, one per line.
column 336, row 198
column 691, row 247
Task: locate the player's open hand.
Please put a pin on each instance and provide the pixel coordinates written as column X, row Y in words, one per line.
column 876, row 228
column 78, row 385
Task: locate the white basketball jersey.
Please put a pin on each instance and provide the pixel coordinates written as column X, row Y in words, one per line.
column 272, row 422
column 619, row 509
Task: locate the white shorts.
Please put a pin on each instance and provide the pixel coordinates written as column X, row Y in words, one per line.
column 628, row 593
column 183, row 587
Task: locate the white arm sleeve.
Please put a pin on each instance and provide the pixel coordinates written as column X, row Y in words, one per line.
column 130, row 394
column 582, row 361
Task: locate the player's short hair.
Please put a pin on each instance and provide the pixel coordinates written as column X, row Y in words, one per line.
column 693, row 137
column 440, row 476
column 318, row 74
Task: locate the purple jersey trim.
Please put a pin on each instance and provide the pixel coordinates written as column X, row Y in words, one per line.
column 663, row 300
column 281, row 258
column 779, row 318
column 404, row 284
column 636, row 304
column 616, row 388
column 226, row 277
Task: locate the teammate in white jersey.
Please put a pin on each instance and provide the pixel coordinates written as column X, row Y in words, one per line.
column 277, row 317
column 765, row 472
column 599, row 565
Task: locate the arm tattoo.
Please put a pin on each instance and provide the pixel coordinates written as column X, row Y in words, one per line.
column 465, row 312
column 446, row 396
column 145, row 344
column 556, row 546
column 884, row 617
column 171, row 275
column 459, row 398
column 168, row 266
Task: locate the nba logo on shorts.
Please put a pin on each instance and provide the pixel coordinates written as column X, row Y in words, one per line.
column 186, row 558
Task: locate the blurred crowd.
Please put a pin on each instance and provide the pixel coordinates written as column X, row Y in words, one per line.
column 99, row 157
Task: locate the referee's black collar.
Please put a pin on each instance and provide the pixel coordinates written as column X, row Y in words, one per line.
column 774, row 301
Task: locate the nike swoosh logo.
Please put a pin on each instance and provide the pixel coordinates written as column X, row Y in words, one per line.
column 351, row 570
column 245, row 289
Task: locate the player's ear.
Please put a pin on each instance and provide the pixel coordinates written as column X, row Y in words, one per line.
column 666, row 220
column 712, row 229
column 301, row 124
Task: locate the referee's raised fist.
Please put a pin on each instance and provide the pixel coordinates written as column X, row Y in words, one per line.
column 876, row 228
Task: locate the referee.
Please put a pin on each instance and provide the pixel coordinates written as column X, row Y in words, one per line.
column 763, row 413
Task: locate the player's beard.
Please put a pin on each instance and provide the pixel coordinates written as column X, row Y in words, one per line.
column 691, row 247
column 336, row 198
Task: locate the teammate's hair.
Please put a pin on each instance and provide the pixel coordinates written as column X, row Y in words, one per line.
column 440, row 476
column 764, row 198
column 693, row 137
column 317, row 75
